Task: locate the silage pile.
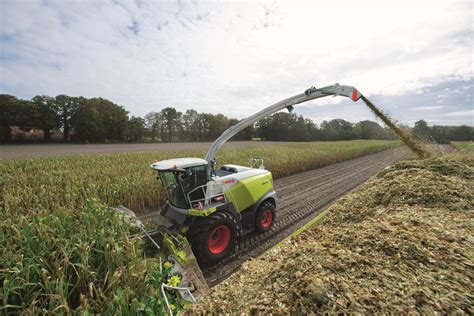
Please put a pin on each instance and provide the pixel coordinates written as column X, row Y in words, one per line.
column 403, row 242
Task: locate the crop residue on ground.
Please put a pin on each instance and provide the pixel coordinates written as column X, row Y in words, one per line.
column 401, row 243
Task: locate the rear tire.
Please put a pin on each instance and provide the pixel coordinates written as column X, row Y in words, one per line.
column 213, row 237
column 265, row 217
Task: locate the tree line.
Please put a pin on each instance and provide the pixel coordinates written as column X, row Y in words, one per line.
column 79, row 119
column 291, row 127
column 101, row 120
column 441, row 134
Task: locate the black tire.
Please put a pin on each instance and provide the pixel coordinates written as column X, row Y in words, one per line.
column 201, row 231
column 265, row 217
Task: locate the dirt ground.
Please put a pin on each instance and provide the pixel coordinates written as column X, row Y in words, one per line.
column 44, row 150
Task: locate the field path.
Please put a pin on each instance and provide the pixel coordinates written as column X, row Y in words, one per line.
column 46, row 150
column 300, row 198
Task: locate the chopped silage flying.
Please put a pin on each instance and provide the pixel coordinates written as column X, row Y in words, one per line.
column 401, row 243
column 405, row 137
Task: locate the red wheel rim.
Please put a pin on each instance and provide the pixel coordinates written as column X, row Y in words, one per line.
column 219, row 240
column 267, row 218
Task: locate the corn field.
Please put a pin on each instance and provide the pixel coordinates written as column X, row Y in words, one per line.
column 44, row 184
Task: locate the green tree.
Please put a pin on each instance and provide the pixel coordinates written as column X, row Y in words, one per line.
column 369, row 130
column 8, row 116
column 316, row 133
column 191, row 125
column 87, row 123
column 136, row 129
column 26, row 118
column 284, row 126
column 114, row 119
column 67, row 107
column 211, row 126
column 153, row 123
column 217, row 125
column 337, row 129
column 462, row 133
column 421, row 131
column 172, row 124
column 203, row 123
column 100, row 120
column 439, row 134
column 301, row 130
column 281, row 126
column 45, row 114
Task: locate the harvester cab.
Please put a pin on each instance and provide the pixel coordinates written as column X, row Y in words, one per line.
column 181, row 178
column 208, row 209
column 214, row 207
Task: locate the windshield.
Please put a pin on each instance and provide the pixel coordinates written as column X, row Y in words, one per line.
column 179, row 183
column 170, row 180
column 195, row 177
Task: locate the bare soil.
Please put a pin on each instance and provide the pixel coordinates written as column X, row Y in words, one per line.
column 45, row 150
column 301, row 197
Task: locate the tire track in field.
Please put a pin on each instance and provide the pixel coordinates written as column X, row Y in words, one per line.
column 300, row 198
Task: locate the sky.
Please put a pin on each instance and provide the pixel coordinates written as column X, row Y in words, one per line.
column 412, row 59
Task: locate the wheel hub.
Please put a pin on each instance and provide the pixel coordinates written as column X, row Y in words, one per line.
column 219, row 240
column 267, row 218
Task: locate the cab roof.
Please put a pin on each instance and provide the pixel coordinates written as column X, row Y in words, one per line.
column 178, row 163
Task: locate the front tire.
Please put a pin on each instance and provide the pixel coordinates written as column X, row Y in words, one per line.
column 213, row 237
column 265, row 217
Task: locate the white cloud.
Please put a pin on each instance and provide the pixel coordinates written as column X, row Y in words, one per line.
column 436, row 107
column 232, row 58
column 469, row 113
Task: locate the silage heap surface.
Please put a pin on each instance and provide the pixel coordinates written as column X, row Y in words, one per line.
column 403, row 242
